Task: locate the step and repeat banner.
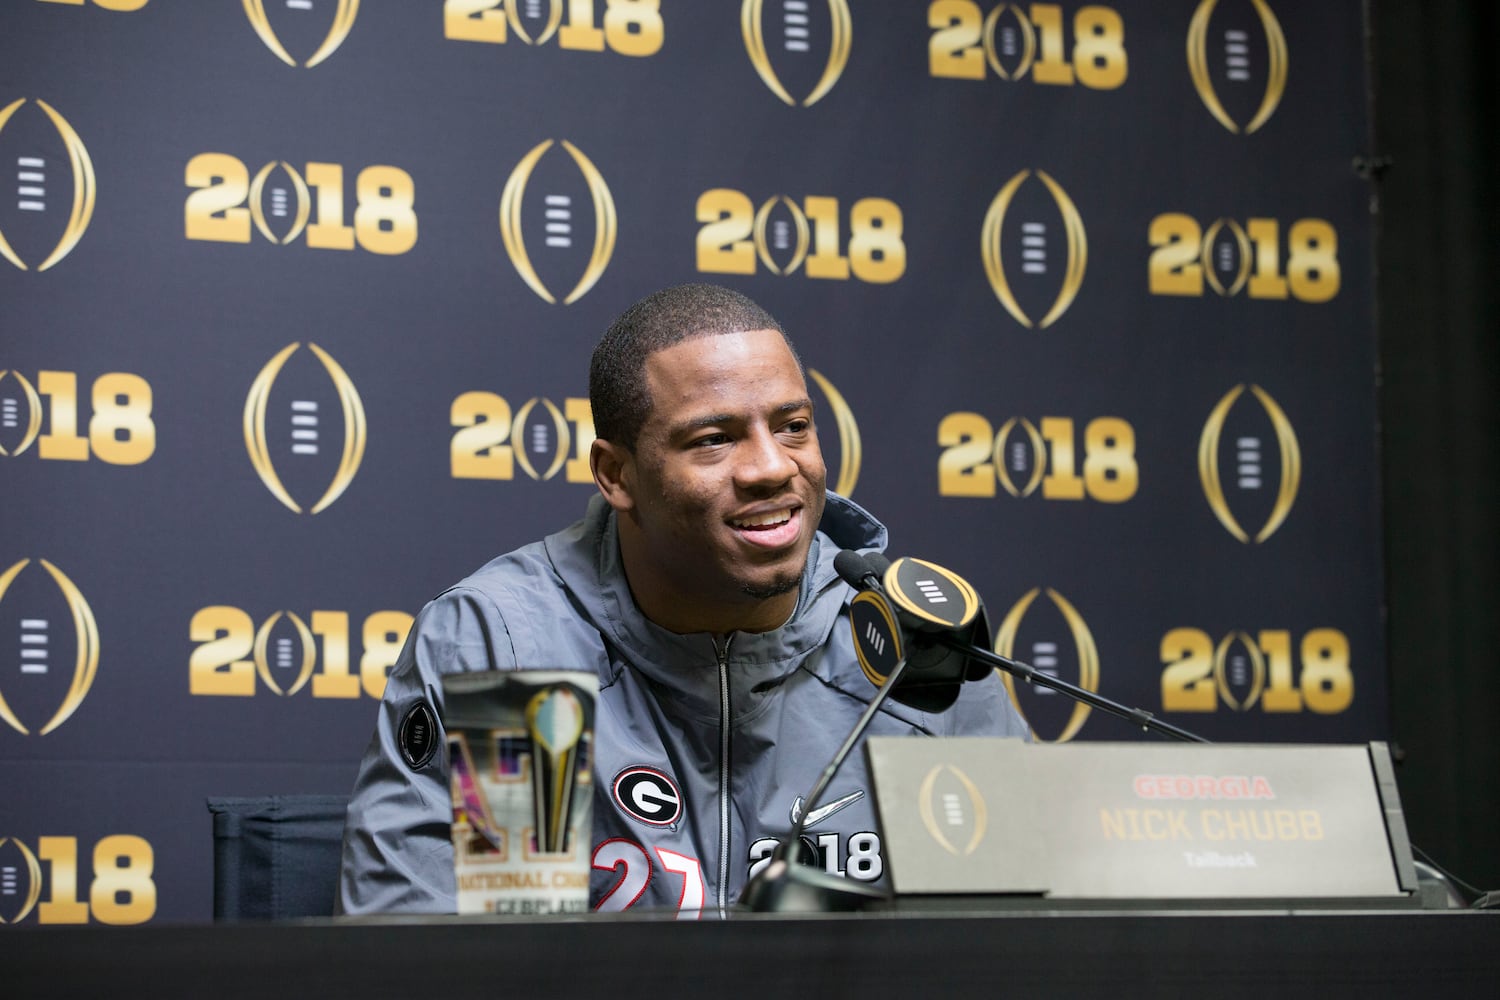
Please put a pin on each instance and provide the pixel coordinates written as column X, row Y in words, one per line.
column 297, row 299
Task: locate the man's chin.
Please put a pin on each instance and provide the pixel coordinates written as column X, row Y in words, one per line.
column 774, row 589
column 783, row 582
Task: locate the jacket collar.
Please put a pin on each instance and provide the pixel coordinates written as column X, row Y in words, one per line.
column 685, row 668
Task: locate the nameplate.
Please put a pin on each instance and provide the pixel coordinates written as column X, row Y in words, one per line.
column 1111, row 821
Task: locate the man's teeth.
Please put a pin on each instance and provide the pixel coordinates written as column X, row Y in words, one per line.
column 763, row 520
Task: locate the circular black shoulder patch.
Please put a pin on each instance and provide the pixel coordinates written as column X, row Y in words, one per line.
column 418, row 736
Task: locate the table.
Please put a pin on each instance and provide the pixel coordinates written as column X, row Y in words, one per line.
column 1278, row 954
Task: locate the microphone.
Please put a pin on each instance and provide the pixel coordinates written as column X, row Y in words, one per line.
column 859, row 570
column 786, row 885
column 908, row 596
column 930, row 603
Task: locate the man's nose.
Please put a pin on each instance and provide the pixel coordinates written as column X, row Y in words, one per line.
column 763, row 461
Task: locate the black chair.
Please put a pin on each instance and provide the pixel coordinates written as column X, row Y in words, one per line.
column 276, row 857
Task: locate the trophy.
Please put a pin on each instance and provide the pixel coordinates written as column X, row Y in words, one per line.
column 521, row 776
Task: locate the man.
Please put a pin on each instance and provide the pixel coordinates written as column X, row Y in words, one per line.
column 700, row 587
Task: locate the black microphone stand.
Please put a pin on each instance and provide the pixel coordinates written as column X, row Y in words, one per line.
column 786, row 885
column 1031, row 675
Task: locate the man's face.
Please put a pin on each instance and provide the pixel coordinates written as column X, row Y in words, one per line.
column 725, row 485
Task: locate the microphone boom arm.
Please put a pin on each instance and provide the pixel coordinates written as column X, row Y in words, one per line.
column 1031, row 675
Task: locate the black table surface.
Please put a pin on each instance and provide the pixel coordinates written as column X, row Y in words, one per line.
column 1278, row 954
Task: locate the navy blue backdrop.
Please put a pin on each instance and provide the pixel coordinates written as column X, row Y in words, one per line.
column 297, row 297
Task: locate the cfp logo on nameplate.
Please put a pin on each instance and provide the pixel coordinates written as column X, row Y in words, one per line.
column 1053, row 637
column 46, row 185
column 1034, row 249
column 1016, row 44
column 801, row 48
column 289, row 418
column 51, row 647
column 316, row 26
column 115, row 880
column 1238, row 62
column 1249, row 463
column 953, row 810
column 570, row 256
column 493, row 438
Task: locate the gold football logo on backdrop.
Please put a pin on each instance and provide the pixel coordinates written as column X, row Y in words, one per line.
column 1226, row 680
column 263, row 659
column 1249, row 475
column 558, row 426
column 942, row 799
column 605, row 222
column 752, row 25
column 33, row 879
column 1038, row 457
column 1028, row 42
column 32, row 176
column 33, row 412
column 851, row 452
column 1083, row 643
column 343, row 22
column 34, row 647
column 1237, row 64
column 994, row 258
column 1241, row 245
column 799, row 226
column 257, row 444
column 258, row 210
column 554, row 19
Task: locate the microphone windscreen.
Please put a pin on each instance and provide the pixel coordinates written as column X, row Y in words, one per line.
column 878, row 563
column 853, row 567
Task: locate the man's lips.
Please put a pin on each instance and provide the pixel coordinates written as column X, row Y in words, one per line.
column 771, row 528
column 764, row 519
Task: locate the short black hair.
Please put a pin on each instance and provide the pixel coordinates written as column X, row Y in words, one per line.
column 617, row 371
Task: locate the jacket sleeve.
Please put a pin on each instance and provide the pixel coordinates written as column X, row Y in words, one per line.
column 398, row 852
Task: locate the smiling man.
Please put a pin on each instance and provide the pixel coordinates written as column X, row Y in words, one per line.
column 721, row 491
column 700, row 587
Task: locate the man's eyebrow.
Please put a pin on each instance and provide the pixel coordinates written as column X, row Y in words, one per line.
column 697, row 423
column 796, row 404
column 719, row 419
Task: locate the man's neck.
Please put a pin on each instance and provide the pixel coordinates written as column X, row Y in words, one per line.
column 760, row 616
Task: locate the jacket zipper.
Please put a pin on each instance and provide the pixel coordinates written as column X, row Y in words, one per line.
column 723, row 889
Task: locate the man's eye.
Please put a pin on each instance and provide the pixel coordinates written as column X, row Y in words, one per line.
column 797, row 426
column 710, row 440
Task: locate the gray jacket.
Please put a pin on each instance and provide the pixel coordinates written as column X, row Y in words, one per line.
column 734, row 729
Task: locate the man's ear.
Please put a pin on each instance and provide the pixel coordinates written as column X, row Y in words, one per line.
column 613, row 466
